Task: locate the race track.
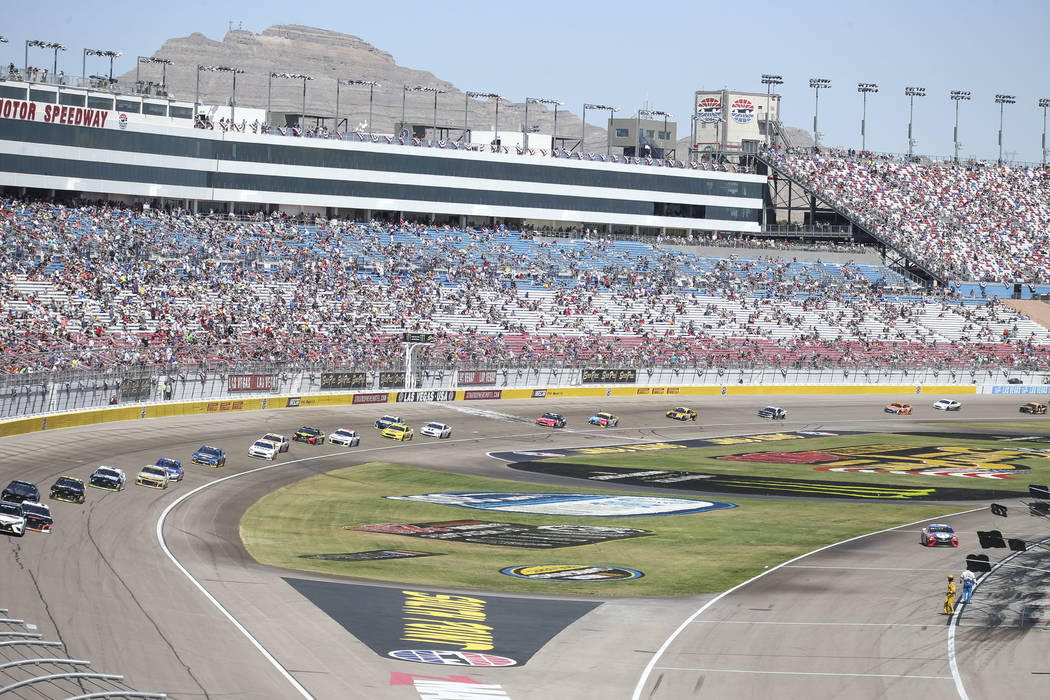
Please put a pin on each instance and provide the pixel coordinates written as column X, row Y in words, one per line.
column 857, row 620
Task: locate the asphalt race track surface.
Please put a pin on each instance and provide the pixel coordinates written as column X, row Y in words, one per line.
column 858, row 620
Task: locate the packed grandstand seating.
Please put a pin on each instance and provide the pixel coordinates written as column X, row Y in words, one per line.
column 94, row 286
column 968, row 221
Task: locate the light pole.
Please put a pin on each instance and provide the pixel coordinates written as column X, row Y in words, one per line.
column 650, row 113
column 1044, row 103
column 289, row 76
column 817, row 84
column 164, row 63
column 769, row 81
column 1003, row 100
column 864, row 89
column 372, row 85
column 608, row 134
column 422, row 88
column 957, row 96
column 479, row 96
column 98, row 52
column 218, row 69
column 541, row 101
column 911, row 93
column 44, row 45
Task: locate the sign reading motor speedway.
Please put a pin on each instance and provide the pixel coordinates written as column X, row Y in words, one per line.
column 566, row 504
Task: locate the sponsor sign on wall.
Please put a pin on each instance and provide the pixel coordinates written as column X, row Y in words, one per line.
column 293, row 402
column 609, row 376
column 506, row 534
column 425, row 396
column 574, row 504
column 223, row 406
column 371, row 555
column 539, row 393
column 343, row 380
column 252, row 382
column 572, row 572
column 1020, row 389
column 742, row 110
column 53, row 114
column 471, row 377
column 371, row 398
column 135, row 389
column 391, row 380
column 478, row 394
column 709, row 109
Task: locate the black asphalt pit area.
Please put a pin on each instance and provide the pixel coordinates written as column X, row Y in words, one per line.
column 443, row 628
column 758, row 485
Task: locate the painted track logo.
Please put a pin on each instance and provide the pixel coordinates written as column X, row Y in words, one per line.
column 568, row 504
column 451, row 658
column 571, row 572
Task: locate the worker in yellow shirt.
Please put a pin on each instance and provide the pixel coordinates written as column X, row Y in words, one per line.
column 949, row 596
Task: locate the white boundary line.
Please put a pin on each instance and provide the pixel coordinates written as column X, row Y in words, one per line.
column 644, row 678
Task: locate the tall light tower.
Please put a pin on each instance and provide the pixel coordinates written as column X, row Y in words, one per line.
column 864, row 89
column 98, row 52
column 817, row 84
column 911, row 93
column 1003, row 100
column 1044, row 103
column 769, row 81
column 421, row 88
column 288, row 76
column 608, row 135
column 467, row 96
column 44, row 45
column 164, row 63
column 541, row 101
column 219, row 69
column 372, row 85
column 957, row 96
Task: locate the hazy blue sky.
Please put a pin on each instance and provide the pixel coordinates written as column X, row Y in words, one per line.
column 628, row 53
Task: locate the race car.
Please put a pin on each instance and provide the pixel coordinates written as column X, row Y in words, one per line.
column 551, row 420
column 264, row 449
column 605, row 420
column 772, row 413
column 898, row 408
column 68, row 488
column 1033, row 408
column 109, row 478
column 681, row 413
column 38, row 517
column 173, row 467
column 18, row 491
column 209, row 456
column 153, row 477
column 397, row 431
column 438, row 430
column 12, row 518
column 345, row 437
column 281, row 440
column 947, row 405
column 937, row 535
column 387, row 420
column 310, row 435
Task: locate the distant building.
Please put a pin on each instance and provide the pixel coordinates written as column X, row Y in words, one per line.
column 729, row 121
column 644, row 138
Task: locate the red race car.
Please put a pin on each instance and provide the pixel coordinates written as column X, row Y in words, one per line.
column 551, row 420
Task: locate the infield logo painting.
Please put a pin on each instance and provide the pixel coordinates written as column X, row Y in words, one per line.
column 575, row 504
column 506, row 534
column 570, row 572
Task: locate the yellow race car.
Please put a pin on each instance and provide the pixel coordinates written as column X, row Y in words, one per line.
column 397, row 431
column 682, row 413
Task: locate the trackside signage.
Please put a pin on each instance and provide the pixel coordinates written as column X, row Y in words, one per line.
column 52, row 114
column 252, row 382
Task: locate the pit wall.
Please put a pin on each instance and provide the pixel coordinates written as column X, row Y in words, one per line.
column 546, row 400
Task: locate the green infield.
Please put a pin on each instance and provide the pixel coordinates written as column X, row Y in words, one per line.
column 681, row 554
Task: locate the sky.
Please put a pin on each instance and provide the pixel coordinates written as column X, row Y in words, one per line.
column 633, row 55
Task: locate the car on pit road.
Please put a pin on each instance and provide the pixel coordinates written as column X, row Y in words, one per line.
column 387, row 420
column 281, row 440
column 947, row 405
column 551, row 420
column 12, row 518
column 18, row 491
column 681, row 413
column 438, row 430
column 38, row 517
column 938, row 535
column 109, row 478
column 397, row 431
column 310, row 435
column 68, row 488
column 345, row 437
column 898, row 408
column 173, row 467
column 153, row 477
column 1033, row 408
column 209, row 456
column 605, row 420
column 772, row 413
column 264, row 449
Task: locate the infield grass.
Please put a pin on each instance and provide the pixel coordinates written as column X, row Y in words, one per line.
column 688, row 554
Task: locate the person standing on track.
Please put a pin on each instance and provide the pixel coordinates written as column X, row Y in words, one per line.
column 969, row 583
column 949, row 596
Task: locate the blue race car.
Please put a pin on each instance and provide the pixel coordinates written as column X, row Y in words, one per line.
column 209, row 456
column 172, row 466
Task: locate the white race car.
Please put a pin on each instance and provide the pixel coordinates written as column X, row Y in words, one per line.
column 265, row 449
column 345, row 437
column 12, row 518
column 438, row 430
column 947, row 405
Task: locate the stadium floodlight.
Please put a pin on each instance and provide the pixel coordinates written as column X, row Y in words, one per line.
column 371, row 84
column 541, row 101
column 98, row 52
column 164, row 63
column 287, row 76
column 1002, row 100
column 769, row 81
column 44, row 45
column 495, row 97
column 817, row 84
column 217, row 69
column 864, row 89
column 911, row 93
column 957, row 96
column 421, row 88
column 1044, row 103
column 608, row 133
